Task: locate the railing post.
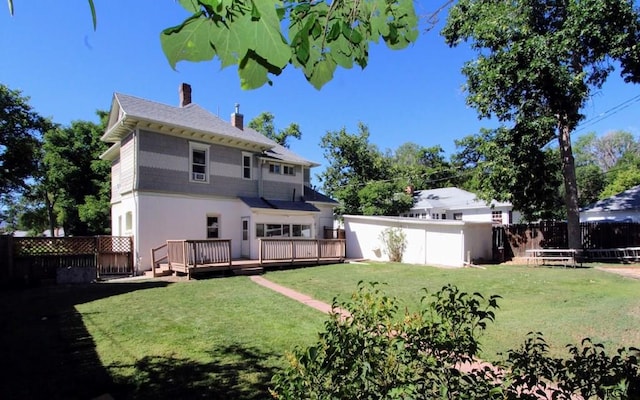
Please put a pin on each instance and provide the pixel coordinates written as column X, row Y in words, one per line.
column 260, row 250
column 318, row 250
column 293, row 251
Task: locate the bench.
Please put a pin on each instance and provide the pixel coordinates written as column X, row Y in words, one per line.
column 552, row 257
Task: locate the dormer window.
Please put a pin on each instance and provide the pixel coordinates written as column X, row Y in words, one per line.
column 198, row 162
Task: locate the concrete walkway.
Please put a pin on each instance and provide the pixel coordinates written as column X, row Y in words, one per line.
column 302, row 298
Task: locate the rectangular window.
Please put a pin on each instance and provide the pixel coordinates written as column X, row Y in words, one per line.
column 259, row 230
column 301, row 230
column 213, row 228
column 496, row 217
column 435, row 216
column 444, row 216
column 199, row 162
column 457, row 216
column 274, row 168
column 128, row 222
column 246, row 166
column 283, row 230
column 288, row 170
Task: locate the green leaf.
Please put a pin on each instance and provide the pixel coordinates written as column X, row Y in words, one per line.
column 189, row 42
column 190, row 5
column 322, row 72
column 229, row 44
column 263, row 35
column 93, row 14
column 252, row 74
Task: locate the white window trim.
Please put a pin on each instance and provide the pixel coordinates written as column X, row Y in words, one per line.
column 203, row 147
column 218, row 216
column 244, row 155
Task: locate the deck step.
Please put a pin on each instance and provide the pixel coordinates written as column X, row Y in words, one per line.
column 248, row 271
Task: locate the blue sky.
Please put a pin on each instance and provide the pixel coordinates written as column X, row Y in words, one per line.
column 52, row 54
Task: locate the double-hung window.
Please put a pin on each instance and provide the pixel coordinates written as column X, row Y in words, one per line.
column 198, row 162
column 246, row 165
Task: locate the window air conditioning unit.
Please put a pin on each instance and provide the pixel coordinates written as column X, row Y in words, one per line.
column 198, row 176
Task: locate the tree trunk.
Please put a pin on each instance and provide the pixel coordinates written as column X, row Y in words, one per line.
column 570, row 187
column 50, row 215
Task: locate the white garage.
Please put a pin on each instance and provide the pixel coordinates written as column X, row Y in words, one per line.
column 433, row 242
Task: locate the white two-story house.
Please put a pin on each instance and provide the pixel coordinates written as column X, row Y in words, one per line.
column 183, row 173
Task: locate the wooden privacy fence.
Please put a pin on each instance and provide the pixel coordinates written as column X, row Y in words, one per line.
column 511, row 241
column 33, row 259
column 296, row 250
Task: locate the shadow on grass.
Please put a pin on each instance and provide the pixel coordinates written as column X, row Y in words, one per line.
column 46, row 350
column 244, row 374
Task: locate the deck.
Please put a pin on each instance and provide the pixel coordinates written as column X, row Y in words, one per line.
column 191, row 257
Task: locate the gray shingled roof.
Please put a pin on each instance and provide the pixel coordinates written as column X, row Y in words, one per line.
column 313, row 195
column 625, row 201
column 191, row 118
column 259, row 202
column 450, row 198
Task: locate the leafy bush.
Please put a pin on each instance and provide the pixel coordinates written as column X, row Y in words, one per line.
column 431, row 354
column 395, row 242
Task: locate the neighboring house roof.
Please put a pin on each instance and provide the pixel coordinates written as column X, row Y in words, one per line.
column 451, row 198
column 191, row 121
column 314, row 196
column 625, row 201
column 259, row 202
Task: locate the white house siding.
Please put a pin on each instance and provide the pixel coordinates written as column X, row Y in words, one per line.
column 324, row 218
column 428, row 242
column 174, row 217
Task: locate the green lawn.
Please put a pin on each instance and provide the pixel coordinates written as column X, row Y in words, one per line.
column 224, row 338
column 565, row 304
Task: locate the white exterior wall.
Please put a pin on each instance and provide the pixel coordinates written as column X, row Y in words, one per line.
column 175, row 217
column 428, row 242
column 172, row 217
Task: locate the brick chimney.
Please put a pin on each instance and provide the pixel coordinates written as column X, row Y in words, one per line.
column 185, row 94
column 237, row 119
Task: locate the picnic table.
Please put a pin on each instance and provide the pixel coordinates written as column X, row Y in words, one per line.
column 566, row 257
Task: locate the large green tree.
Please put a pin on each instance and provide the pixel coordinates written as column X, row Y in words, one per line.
column 360, row 176
column 498, row 164
column 20, row 131
column 75, row 181
column 539, row 62
column 423, row 167
column 264, row 124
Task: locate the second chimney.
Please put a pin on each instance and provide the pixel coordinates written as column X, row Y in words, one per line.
column 237, row 119
column 185, row 94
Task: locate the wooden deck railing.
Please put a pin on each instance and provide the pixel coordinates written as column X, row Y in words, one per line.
column 274, row 250
column 158, row 256
column 186, row 254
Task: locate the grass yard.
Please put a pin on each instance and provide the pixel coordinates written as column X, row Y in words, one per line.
column 224, row 338
column 565, row 304
column 215, row 338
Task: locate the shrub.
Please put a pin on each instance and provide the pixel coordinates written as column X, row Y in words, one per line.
column 431, row 354
column 395, row 242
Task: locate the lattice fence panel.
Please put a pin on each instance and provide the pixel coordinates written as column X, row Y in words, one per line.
column 54, row 246
column 114, row 244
